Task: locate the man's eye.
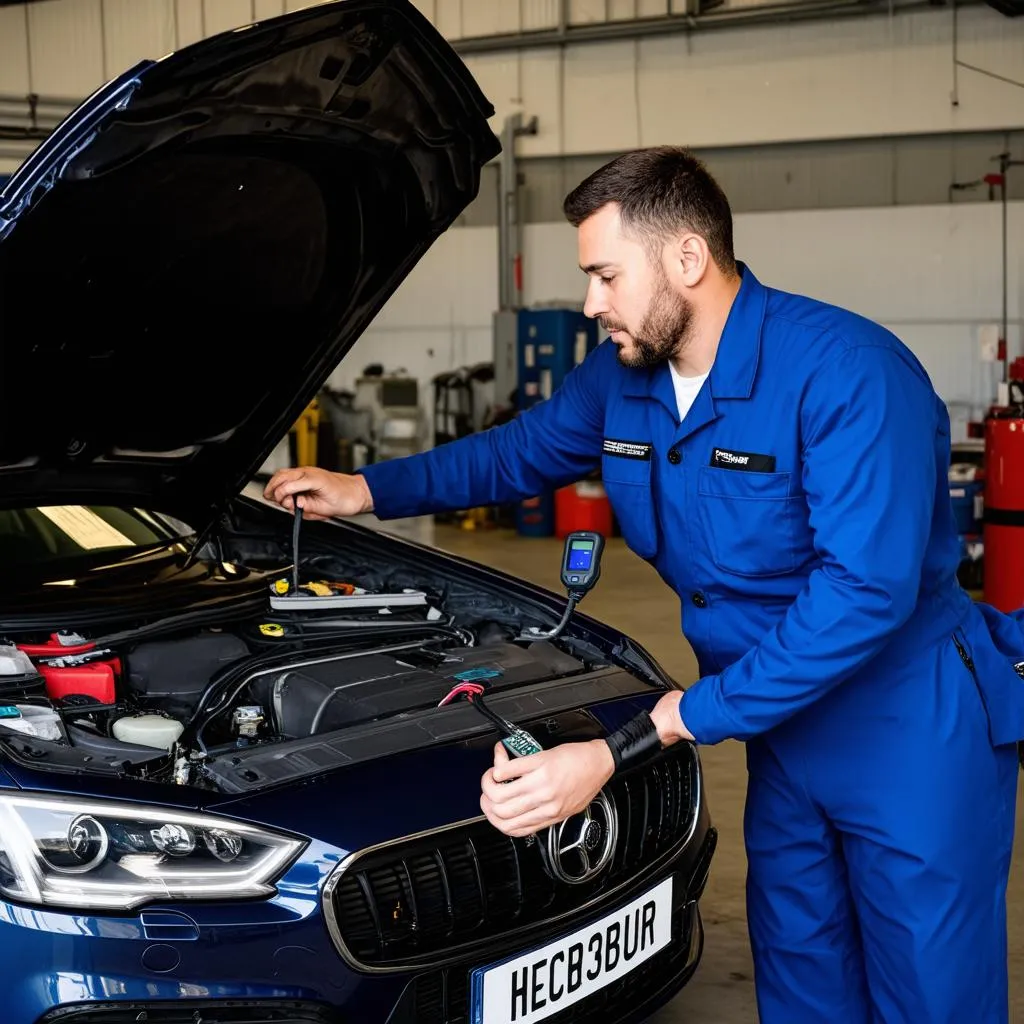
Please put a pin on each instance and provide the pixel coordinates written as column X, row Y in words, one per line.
column 607, row 280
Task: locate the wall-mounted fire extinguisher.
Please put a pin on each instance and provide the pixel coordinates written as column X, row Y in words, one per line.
column 1004, row 503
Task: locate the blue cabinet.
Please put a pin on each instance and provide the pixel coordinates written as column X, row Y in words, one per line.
column 549, row 342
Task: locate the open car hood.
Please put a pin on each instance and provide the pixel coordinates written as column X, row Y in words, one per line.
column 185, row 261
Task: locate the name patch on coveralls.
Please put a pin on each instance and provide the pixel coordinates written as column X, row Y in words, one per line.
column 627, row 449
column 751, row 461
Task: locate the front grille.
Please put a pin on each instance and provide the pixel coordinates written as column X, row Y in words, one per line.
column 441, row 997
column 419, row 901
column 226, row 1011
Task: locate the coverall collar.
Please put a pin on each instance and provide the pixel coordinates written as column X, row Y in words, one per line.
column 735, row 366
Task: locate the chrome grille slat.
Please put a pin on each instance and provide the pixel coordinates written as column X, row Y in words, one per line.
column 449, row 902
column 482, row 889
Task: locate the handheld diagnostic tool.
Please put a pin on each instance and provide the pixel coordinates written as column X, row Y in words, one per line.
column 581, row 569
column 581, row 562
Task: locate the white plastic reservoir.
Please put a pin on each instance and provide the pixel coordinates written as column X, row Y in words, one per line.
column 148, row 730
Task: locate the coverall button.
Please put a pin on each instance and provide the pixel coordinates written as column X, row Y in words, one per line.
column 699, row 599
column 674, row 457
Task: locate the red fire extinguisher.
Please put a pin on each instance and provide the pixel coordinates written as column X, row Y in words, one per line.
column 1004, row 503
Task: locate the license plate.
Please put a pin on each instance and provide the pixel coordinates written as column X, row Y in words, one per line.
column 535, row 985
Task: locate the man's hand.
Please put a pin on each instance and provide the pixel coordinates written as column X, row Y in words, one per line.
column 321, row 494
column 546, row 788
column 523, row 796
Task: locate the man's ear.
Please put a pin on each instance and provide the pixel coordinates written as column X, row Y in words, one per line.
column 694, row 259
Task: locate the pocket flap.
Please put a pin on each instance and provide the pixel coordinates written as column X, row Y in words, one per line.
column 618, row 470
column 728, row 483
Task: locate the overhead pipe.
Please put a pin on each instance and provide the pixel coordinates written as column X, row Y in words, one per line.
column 640, row 28
column 510, row 228
column 1005, row 163
column 35, row 100
column 17, row 133
column 32, row 118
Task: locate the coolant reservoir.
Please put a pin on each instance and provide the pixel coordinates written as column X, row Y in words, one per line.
column 148, row 730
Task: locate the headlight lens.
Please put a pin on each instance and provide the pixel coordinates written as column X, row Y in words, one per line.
column 60, row 852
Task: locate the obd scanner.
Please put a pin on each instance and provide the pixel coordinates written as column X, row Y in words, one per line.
column 581, row 569
column 581, row 563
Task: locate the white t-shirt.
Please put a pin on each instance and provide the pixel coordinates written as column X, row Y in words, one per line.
column 686, row 389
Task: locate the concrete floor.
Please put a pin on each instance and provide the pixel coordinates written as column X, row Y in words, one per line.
column 631, row 597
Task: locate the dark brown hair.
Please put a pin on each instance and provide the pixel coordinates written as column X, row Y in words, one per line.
column 659, row 191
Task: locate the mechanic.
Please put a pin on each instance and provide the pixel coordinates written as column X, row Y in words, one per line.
column 783, row 464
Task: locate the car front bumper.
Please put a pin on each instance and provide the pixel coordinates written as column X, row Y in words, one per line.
column 273, row 962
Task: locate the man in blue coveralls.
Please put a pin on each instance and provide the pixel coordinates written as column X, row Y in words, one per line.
column 783, row 464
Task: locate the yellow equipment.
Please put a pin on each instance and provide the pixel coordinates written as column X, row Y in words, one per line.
column 305, row 430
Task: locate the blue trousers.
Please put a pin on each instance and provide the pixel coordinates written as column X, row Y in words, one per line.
column 879, row 827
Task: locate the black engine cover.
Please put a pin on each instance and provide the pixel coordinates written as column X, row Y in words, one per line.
column 320, row 698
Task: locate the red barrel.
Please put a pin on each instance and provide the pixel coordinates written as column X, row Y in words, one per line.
column 582, row 506
column 1004, row 509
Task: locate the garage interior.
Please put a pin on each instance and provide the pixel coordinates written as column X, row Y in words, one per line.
column 873, row 154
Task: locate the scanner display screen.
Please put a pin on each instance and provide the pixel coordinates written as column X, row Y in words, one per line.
column 581, row 554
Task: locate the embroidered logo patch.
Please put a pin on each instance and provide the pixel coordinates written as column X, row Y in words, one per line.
column 627, row 449
column 751, row 461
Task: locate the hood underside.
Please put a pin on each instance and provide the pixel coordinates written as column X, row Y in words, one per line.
column 186, row 260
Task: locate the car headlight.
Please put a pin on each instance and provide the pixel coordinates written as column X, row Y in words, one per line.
column 76, row 853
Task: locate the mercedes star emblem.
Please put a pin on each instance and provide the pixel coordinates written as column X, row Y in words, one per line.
column 579, row 848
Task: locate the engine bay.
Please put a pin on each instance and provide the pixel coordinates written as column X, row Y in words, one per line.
column 165, row 709
column 174, row 701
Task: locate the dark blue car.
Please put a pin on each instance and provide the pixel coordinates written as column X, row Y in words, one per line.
column 217, row 807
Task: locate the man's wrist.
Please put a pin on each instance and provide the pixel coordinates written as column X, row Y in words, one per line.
column 368, row 502
column 634, row 742
column 668, row 719
column 603, row 755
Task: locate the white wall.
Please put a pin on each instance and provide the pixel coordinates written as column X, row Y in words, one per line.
column 931, row 274
column 826, row 80
column 837, row 79
column 68, row 48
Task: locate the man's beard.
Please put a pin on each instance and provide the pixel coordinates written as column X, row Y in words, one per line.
column 662, row 333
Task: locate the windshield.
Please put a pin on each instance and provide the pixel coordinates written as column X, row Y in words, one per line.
column 58, row 532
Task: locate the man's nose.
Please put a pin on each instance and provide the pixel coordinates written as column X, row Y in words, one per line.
column 593, row 306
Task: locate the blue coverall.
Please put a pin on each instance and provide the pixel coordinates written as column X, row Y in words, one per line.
column 801, row 512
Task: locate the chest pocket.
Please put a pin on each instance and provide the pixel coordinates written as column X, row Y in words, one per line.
column 749, row 519
column 627, row 482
